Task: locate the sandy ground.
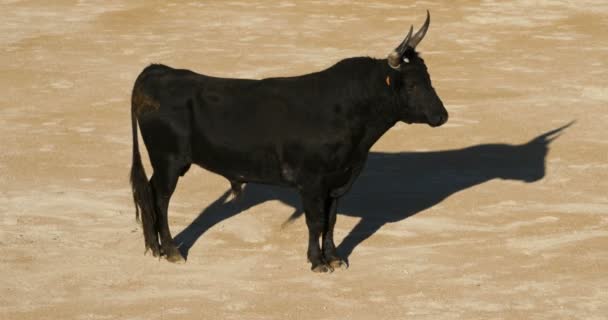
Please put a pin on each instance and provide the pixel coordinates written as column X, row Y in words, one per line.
column 487, row 217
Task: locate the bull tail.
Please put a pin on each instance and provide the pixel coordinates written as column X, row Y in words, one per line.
column 145, row 210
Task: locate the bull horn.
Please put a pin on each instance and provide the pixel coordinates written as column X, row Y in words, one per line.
column 394, row 58
column 420, row 34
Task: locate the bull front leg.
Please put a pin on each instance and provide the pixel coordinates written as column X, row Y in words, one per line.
column 329, row 248
column 314, row 210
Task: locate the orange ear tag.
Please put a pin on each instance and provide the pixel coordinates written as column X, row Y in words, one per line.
column 388, row 81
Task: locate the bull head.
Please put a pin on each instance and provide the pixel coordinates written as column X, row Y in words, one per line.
column 417, row 100
column 396, row 57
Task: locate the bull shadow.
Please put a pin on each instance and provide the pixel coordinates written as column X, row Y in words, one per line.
column 395, row 186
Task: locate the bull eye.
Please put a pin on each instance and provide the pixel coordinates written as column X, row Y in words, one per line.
column 406, row 60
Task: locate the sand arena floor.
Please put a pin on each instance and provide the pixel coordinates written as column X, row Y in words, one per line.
column 487, row 217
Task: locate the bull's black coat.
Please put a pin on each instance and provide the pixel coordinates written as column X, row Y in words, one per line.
column 311, row 132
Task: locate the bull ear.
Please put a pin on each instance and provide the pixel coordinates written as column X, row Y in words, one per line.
column 415, row 40
column 394, row 58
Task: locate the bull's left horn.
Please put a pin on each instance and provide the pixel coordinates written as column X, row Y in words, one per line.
column 421, row 33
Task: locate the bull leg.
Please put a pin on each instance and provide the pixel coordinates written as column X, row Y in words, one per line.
column 329, row 248
column 163, row 185
column 315, row 220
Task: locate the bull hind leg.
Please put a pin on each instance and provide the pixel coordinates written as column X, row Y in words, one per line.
column 163, row 182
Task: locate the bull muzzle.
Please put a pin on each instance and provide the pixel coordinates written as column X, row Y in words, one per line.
column 436, row 120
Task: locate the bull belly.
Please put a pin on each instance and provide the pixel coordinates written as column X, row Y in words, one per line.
column 242, row 167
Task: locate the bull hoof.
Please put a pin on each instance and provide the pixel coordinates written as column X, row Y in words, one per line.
column 338, row 264
column 236, row 188
column 321, row 268
column 155, row 251
column 176, row 258
column 232, row 197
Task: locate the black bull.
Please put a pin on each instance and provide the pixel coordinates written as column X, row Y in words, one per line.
column 311, row 132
